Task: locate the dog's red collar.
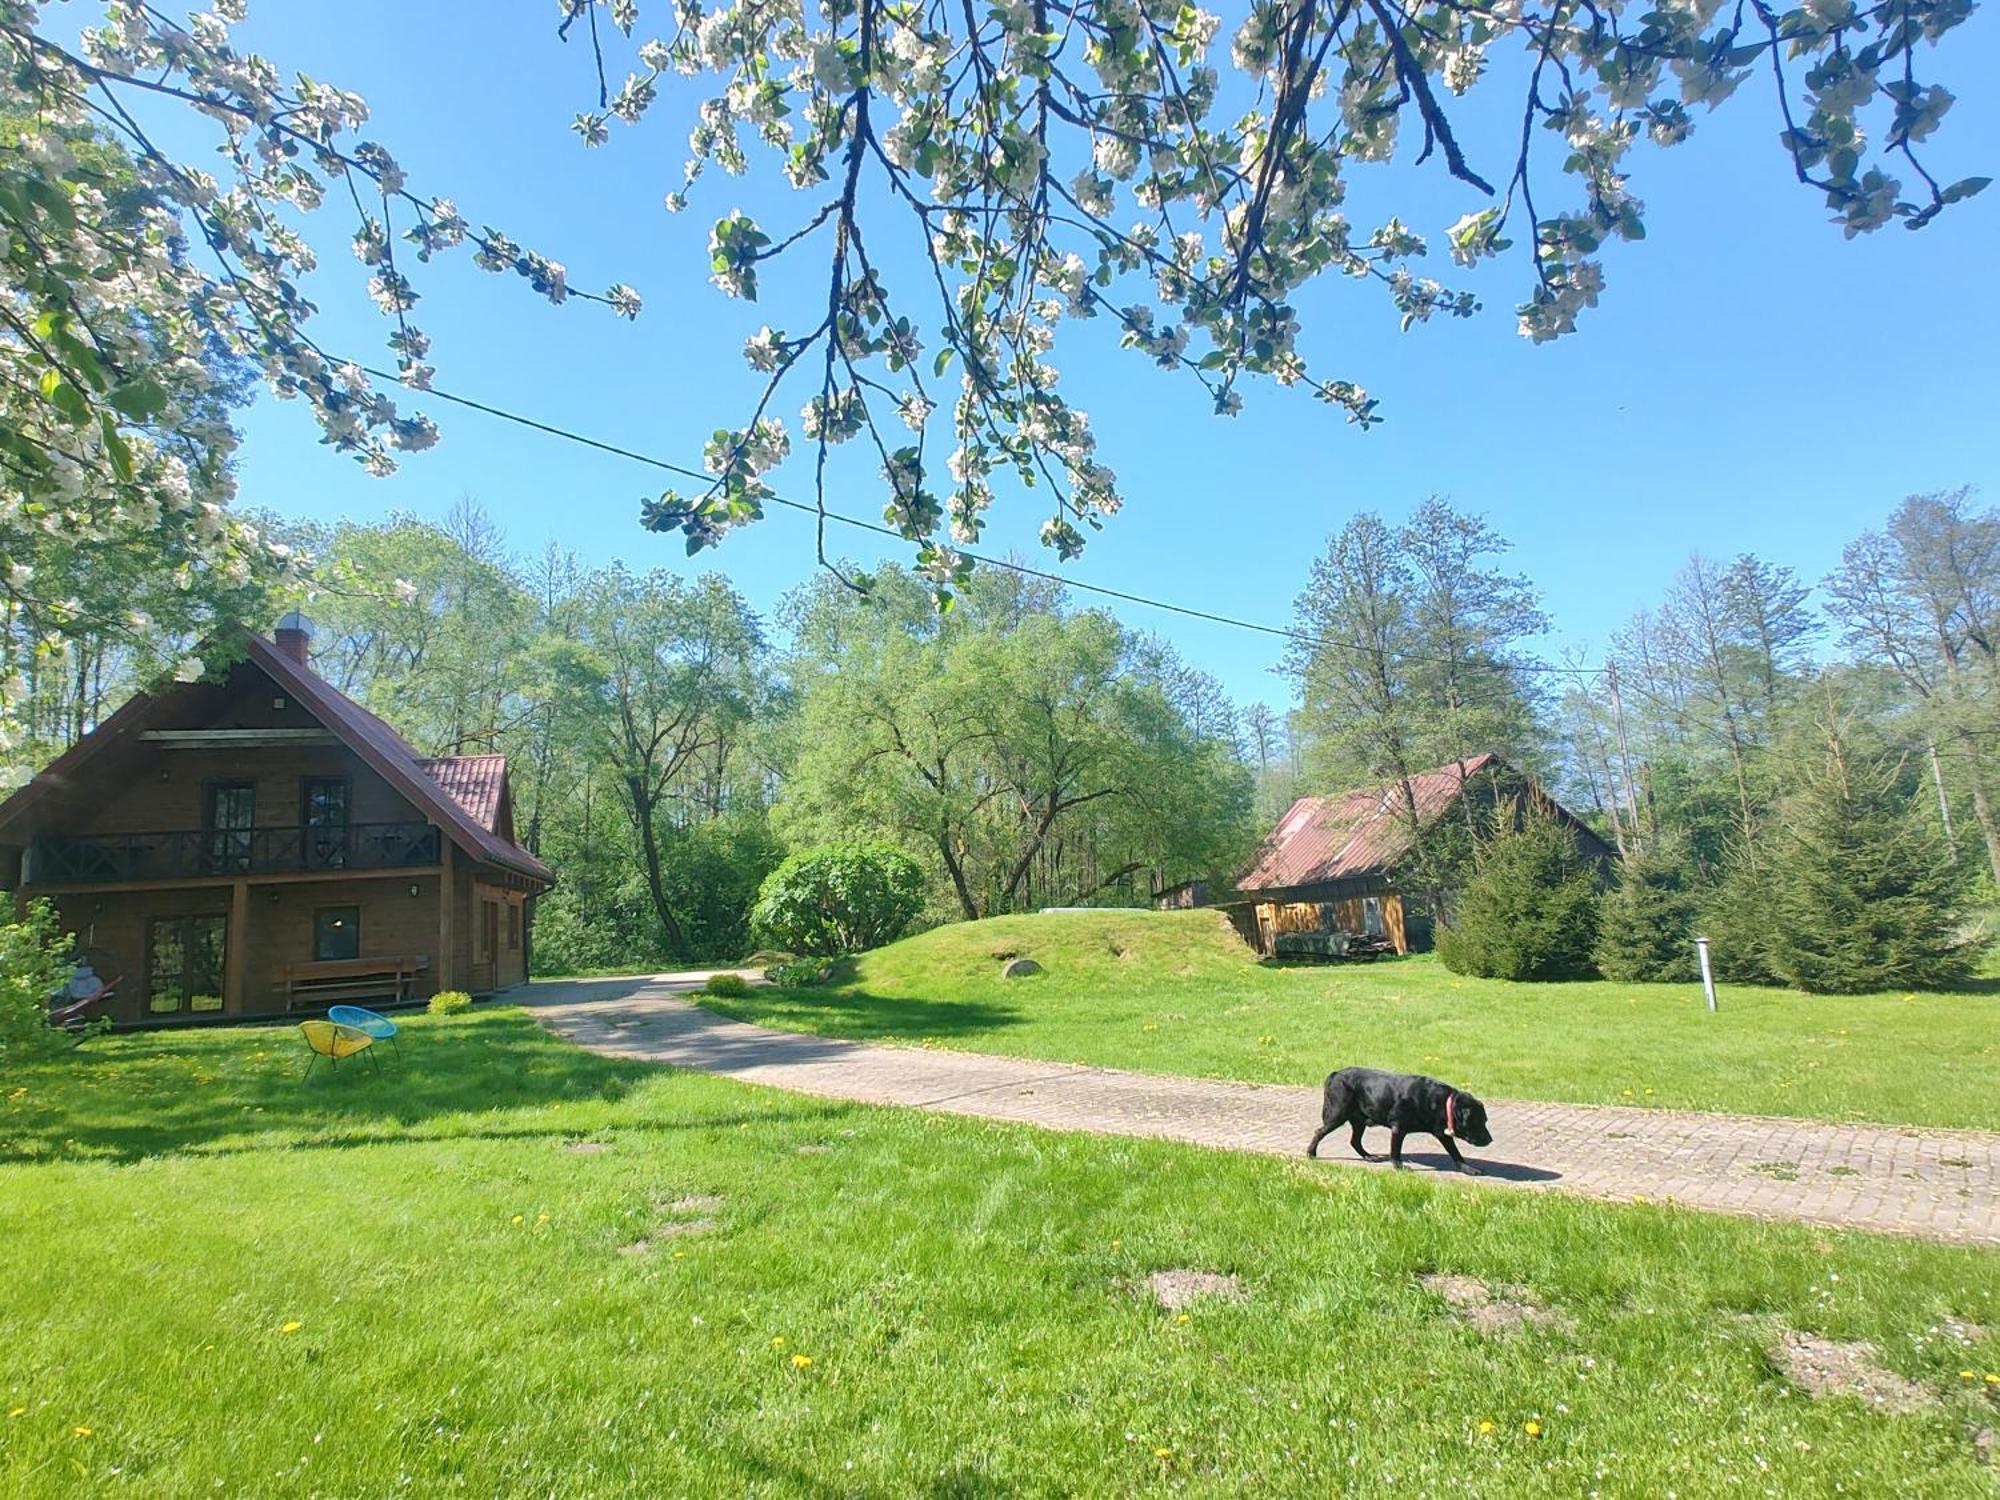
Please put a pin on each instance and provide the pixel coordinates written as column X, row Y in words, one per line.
column 1451, row 1114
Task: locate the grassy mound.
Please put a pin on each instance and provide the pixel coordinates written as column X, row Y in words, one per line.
column 1088, row 950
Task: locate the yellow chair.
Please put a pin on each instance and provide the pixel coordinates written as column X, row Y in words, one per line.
column 333, row 1041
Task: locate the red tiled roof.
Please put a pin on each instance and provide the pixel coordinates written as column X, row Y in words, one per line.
column 1362, row 832
column 473, row 782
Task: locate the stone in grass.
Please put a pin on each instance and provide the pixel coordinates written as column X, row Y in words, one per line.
column 1494, row 1309
column 1175, row 1289
column 1823, row 1367
column 1020, row 968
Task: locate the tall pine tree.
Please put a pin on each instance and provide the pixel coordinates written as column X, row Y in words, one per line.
column 1863, row 895
column 1645, row 923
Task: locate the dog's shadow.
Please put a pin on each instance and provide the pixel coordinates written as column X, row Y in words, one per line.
column 1490, row 1169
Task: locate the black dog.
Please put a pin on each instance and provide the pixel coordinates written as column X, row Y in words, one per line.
column 1361, row 1097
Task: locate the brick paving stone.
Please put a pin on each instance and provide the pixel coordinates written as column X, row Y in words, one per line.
column 1894, row 1178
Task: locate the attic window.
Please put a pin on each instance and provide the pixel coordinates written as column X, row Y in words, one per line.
column 279, row 701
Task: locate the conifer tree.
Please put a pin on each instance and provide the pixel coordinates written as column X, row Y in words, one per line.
column 1530, row 912
column 1645, row 923
column 1863, row 893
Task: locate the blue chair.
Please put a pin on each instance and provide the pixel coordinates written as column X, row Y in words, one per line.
column 378, row 1027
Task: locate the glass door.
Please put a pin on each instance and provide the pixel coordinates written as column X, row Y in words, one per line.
column 228, row 820
column 325, row 817
column 186, row 958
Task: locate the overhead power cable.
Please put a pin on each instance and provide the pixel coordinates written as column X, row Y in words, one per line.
column 1007, row 564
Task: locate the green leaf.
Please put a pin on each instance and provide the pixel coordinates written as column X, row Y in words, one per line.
column 1964, row 188
column 139, row 399
column 115, row 446
column 943, row 359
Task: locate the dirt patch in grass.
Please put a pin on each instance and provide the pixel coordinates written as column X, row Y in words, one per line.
column 813, row 1148
column 1823, row 1367
column 1965, row 1331
column 1494, row 1308
column 588, row 1148
column 673, row 1229
column 1175, row 1289
column 692, row 1203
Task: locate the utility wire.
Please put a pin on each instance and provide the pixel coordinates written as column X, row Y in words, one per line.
column 1186, row 610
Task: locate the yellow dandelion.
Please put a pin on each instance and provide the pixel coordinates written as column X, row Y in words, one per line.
column 1638, row 1197
column 802, row 1361
column 680, row 1255
column 520, row 1218
column 1163, row 1453
column 1968, row 1374
column 81, row 1431
column 778, row 1342
column 292, row 1327
column 1992, row 1379
column 17, row 1411
column 1533, row 1429
column 1486, row 1429
column 541, row 1218
column 1182, row 1318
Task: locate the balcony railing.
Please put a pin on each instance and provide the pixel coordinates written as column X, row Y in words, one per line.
column 100, row 857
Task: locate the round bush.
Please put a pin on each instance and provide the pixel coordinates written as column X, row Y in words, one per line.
column 727, row 984
column 839, row 898
column 450, row 1003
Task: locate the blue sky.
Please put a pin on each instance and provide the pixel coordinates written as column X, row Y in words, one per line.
column 1752, row 382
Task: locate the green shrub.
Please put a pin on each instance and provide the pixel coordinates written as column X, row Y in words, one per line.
column 727, row 984
column 1645, row 923
column 450, row 1003
column 1736, row 917
column 34, row 965
column 799, row 973
column 1529, row 913
column 840, row 898
column 1864, row 895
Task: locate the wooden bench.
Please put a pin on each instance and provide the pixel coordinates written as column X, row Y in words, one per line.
column 330, row 980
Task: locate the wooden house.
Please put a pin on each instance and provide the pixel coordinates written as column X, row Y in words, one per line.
column 259, row 842
column 1336, row 864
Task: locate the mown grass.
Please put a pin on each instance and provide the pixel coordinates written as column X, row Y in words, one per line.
column 1174, row 992
column 221, row 1281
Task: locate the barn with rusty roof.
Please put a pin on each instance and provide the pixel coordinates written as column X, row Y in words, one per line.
column 1332, row 876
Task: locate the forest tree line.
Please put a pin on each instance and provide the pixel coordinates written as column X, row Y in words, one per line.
column 668, row 746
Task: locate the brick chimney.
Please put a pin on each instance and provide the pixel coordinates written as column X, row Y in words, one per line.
column 293, row 636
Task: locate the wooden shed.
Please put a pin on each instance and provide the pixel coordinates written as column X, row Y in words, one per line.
column 1335, row 864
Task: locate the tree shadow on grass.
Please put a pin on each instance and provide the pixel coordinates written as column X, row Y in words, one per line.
column 121, row 1098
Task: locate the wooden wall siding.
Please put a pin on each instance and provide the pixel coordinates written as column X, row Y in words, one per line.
column 166, row 791
column 112, row 927
column 494, row 964
column 1348, row 914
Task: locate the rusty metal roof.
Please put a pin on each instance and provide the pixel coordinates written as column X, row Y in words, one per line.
column 1362, row 832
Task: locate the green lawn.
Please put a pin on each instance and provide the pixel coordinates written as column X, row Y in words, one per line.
column 221, row 1281
column 1174, row 992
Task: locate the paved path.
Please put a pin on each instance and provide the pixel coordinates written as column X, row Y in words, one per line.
column 1937, row 1183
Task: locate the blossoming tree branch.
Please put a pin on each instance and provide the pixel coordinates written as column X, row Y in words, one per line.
column 1045, row 159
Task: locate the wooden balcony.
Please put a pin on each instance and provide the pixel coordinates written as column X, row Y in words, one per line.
column 90, row 859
